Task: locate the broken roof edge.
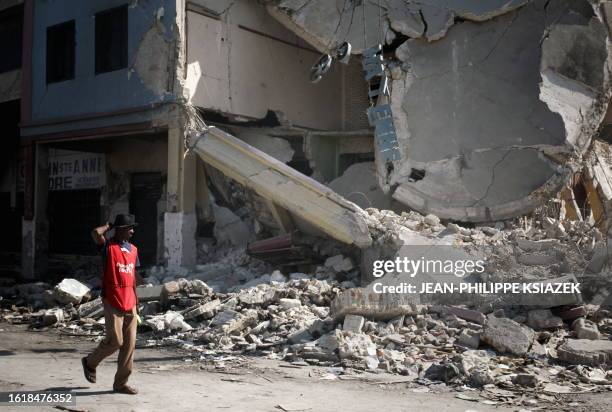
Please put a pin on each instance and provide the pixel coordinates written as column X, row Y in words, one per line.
column 290, row 189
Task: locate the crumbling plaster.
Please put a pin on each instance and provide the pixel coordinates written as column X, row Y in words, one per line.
column 251, row 64
column 495, row 102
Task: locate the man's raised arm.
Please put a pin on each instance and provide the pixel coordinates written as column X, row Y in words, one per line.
column 98, row 234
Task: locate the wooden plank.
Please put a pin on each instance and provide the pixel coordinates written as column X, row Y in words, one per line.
column 281, row 216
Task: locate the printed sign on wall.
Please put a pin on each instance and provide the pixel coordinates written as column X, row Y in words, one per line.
column 69, row 170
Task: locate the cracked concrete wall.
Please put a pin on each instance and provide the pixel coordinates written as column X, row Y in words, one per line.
column 153, row 53
column 494, row 102
column 245, row 63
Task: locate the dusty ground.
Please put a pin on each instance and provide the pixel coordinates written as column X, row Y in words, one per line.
column 46, row 361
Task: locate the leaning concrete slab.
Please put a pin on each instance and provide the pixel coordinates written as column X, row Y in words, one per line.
column 287, row 188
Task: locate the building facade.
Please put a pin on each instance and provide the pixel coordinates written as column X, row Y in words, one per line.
column 97, row 97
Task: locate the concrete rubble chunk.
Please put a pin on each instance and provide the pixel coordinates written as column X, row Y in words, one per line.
column 585, row 329
column 257, row 296
column 356, row 346
column 339, row 263
column 543, row 319
column 52, row 316
column 171, row 288
column 377, row 306
column 70, row 291
column 525, row 379
column 507, row 336
column 147, row 293
column 537, row 245
column 287, row 303
column 92, row 309
column 229, row 228
column 230, row 321
column 469, row 339
column 205, row 311
column 569, row 313
column 537, row 259
column 353, row 323
column 467, row 314
column 601, row 257
column 586, row 352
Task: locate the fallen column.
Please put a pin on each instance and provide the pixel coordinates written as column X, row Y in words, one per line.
column 284, row 186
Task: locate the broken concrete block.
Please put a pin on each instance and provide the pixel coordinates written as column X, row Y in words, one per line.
column 230, row 321
column 300, row 336
column 571, row 313
column 467, row 314
column 481, row 376
column 353, row 323
column 92, row 309
column 70, row 291
column 586, row 352
column 525, row 379
column 229, row 228
column 379, row 306
column 507, row 336
column 174, row 321
column 339, row 263
column 287, row 303
column 356, row 346
column 585, row 329
column 469, row 338
column 147, row 293
column 171, row 288
column 601, row 256
column 543, row 319
column 277, row 276
column 257, row 296
column 432, row 220
column 537, row 245
column 205, row 311
column 52, row 316
column 444, row 372
column 321, row 326
column 537, row 259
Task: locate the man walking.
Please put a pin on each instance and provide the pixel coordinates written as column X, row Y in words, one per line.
column 119, row 262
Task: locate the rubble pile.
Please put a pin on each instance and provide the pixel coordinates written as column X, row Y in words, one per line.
column 235, row 306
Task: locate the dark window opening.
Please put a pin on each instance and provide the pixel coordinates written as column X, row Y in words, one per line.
column 60, row 52
column 11, row 27
column 111, row 39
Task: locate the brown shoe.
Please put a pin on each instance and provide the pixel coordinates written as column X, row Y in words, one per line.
column 90, row 374
column 126, row 389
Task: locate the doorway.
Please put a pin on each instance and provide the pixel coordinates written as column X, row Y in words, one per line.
column 145, row 192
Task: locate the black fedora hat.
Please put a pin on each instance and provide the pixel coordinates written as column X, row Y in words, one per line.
column 122, row 221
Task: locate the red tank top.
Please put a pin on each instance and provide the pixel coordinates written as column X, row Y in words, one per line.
column 120, row 276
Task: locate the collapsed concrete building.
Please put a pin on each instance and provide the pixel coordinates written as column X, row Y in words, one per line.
column 494, row 103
